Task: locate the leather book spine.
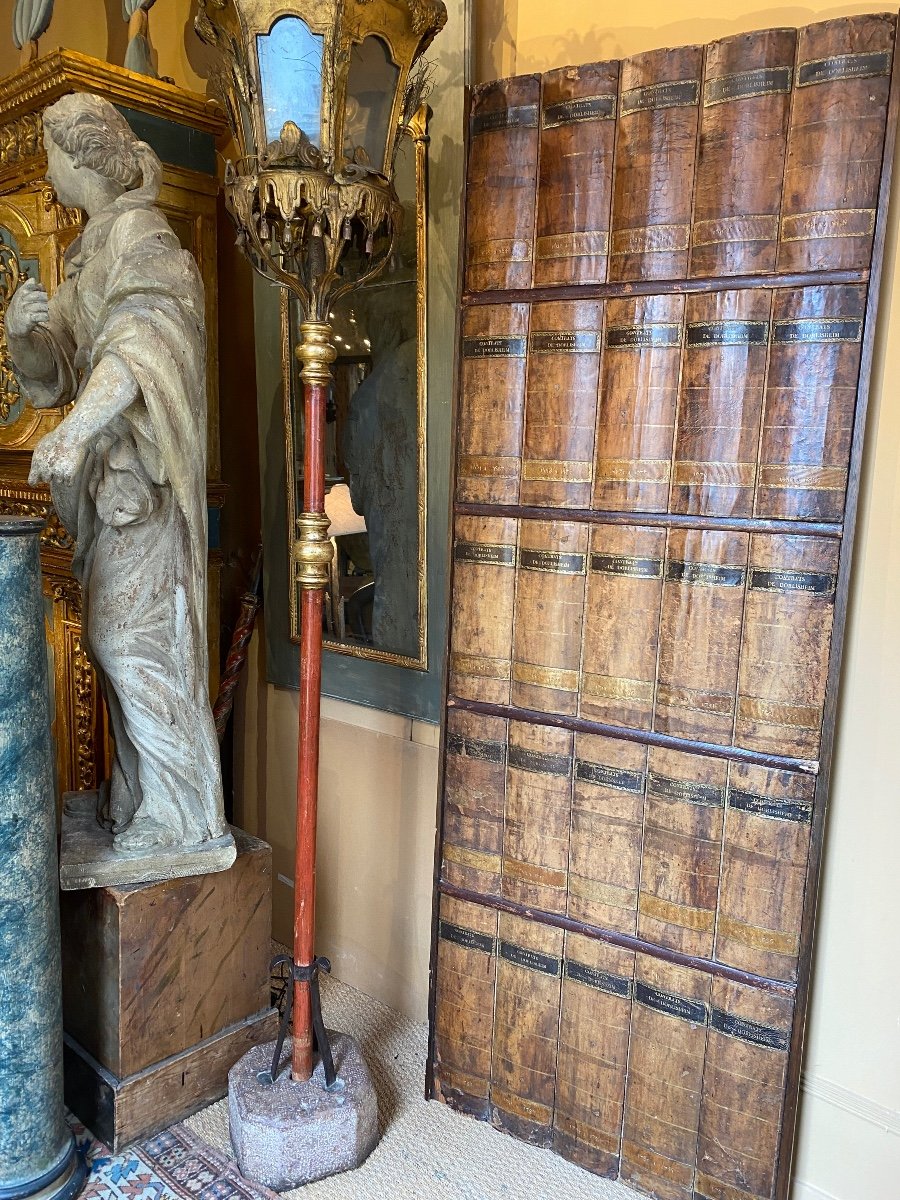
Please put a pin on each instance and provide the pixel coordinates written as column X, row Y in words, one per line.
column 682, row 850
column 787, row 635
column 578, row 133
column 610, row 778
column 740, row 167
column 700, row 634
column 484, row 565
column 807, row 424
column 464, row 1005
column 501, row 183
column 720, row 405
column 474, row 794
column 639, row 373
column 526, row 1028
column 537, row 816
column 836, row 143
column 625, row 575
column 743, row 1092
column 656, row 149
column 764, row 866
column 549, row 613
column 561, row 404
column 492, row 392
column 594, row 1026
column 665, row 1078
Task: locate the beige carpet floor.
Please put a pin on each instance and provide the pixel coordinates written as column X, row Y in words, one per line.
column 426, row 1150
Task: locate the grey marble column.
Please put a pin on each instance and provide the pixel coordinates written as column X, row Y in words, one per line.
column 37, row 1151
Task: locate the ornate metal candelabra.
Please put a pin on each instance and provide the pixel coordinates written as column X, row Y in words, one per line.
column 316, row 95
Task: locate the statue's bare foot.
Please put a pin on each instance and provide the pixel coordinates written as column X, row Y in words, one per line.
column 144, row 834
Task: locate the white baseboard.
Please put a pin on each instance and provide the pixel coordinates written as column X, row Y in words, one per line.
column 835, row 1094
column 808, row 1191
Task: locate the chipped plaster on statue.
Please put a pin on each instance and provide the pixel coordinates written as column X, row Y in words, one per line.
column 124, row 337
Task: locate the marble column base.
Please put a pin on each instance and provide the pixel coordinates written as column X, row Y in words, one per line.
column 88, row 858
column 62, row 1182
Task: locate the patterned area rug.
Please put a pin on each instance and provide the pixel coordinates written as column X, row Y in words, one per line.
column 173, row 1165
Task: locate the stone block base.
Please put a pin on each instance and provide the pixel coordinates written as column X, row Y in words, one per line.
column 285, row 1133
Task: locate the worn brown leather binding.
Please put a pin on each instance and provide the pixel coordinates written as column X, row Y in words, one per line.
column 546, row 658
column 659, row 111
column 578, row 134
column 743, row 136
column 484, row 561
column 640, row 369
column 625, row 574
column 720, row 402
column 807, row 427
column 656, row 485
column 835, row 143
column 494, row 351
column 474, row 799
column 561, row 404
column 501, row 183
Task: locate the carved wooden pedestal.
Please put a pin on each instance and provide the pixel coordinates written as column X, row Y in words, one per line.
column 166, row 985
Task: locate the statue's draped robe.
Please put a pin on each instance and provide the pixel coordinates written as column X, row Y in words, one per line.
column 137, row 509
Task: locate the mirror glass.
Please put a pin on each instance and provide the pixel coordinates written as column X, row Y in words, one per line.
column 371, row 86
column 375, row 443
column 290, row 74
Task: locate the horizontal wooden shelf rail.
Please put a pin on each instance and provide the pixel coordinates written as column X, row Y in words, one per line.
column 661, row 287
column 626, row 941
column 657, row 519
column 647, row 737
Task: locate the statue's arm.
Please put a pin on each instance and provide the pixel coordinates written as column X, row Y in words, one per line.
column 41, row 344
column 110, row 389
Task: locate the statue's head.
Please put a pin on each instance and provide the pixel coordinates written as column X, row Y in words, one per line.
column 84, row 134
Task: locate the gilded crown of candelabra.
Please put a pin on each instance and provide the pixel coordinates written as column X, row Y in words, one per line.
column 316, row 96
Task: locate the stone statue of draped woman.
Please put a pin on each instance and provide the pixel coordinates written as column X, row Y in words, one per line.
column 124, row 338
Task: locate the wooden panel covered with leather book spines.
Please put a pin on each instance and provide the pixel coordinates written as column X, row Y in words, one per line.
column 665, row 349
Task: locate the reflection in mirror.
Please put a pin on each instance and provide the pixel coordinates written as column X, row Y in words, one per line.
column 371, row 86
column 290, row 75
column 375, row 443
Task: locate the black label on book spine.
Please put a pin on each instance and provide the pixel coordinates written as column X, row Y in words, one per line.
column 727, row 333
column 666, row 1002
column 552, row 561
column 538, row 763
column 766, row 81
column 799, row 811
column 704, row 574
column 583, row 108
column 485, row 552
column 679, row 93
column 522, row 116
column 792, row 581
column 603, row 981
column 844, row 66
column 466, row 747
column 611, row 777
column 564, row 343
column 494, row 347
column 640, row 337
column 532, row 960
column 621, row 564
column 748, row 1031
column 467, row 937
column 705, row 794
column 817, row 329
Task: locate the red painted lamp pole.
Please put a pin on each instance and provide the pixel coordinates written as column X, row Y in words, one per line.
column 312, row 555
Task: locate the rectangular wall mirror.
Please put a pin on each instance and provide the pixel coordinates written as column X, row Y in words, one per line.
column 375, row 443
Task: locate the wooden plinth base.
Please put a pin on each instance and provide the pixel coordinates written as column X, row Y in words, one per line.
column 121, row 1111
column 165, row 986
